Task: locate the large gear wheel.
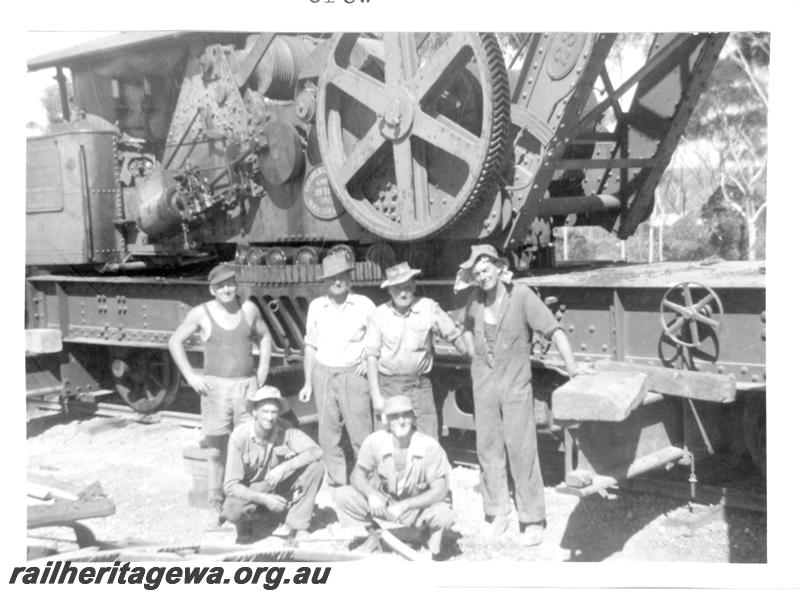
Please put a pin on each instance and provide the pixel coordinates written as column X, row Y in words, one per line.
column 412, row 127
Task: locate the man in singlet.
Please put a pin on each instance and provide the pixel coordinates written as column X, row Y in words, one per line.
column 228, row 328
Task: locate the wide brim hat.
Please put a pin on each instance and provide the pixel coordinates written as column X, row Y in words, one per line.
column 398, row 274
column 396, row 405
column 480, row 250
column 335, row 264
column 221, row 273
column 268, row 393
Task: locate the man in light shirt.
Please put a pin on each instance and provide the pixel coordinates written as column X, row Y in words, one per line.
column 335, row 366
column 400, row 346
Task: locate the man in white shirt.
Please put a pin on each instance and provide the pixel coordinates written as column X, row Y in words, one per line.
column 335, row 365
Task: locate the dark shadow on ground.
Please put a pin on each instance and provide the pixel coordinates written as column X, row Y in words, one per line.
column 598, row 527
column 37, row 425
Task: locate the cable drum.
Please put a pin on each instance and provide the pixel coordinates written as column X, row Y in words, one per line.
column 277, row 73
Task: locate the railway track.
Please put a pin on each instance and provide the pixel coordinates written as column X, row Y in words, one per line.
column 109, row 409
column 461, row 453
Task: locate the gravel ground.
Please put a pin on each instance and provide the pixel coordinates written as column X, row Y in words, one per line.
column 141, row 468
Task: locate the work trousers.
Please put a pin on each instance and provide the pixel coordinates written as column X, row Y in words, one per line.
column 342, row 399
column 505, row 429
column 355, row 508
column 300, row 490
column 419, row 389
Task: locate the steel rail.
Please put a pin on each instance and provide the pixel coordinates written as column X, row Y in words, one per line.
column 106, row 409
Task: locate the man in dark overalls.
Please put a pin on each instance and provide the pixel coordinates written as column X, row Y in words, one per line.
column 499, row 321
column 227, row 328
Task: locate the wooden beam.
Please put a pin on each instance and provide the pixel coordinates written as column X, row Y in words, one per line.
column 710, row 387
column 604, row 396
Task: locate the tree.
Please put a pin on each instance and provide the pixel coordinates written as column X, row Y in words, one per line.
column 51, row 100
column 732, row 115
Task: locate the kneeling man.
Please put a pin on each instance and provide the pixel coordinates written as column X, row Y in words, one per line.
column 401, row 475
column 273, row 470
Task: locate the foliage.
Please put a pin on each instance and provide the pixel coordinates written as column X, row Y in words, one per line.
column 51, row 100
column 727, row 231
column 732, row 115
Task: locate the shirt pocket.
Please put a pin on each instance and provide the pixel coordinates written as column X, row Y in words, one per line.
column 419, row 336
column 358, row 334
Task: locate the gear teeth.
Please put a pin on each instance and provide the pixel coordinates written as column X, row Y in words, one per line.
column 498, row 131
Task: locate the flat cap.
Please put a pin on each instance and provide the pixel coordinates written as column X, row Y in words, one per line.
column 221, row 273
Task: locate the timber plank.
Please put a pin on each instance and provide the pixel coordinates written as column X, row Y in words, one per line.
column 604, row 396
column 710, row 387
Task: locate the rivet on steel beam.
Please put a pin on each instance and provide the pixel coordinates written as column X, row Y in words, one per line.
column 571, row 328
column 583, row 346
column 743, row 370
column 754, row 378
column 591, row 328
column 720, row 369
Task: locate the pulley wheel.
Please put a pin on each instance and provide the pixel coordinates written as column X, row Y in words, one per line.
column 687, row 309
column 412, row 127
column 146, row 379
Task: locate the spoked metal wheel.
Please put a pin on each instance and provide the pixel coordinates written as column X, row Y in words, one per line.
column 412, row 127
column 146, row 379
column 689, row 311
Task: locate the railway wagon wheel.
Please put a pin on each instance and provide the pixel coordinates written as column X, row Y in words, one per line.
column 412, row 127
column 146, row 379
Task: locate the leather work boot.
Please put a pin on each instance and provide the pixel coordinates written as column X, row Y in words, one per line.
column 215, row 518
column 283, row 531
column 370, row 545
column 244, row 533
column 533, row 534
column 500, row 525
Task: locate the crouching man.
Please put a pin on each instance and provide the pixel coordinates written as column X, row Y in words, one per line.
column 273, row 471
column 401, row 475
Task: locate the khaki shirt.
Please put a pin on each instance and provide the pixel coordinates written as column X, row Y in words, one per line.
column 337, row 331
column 426, row 461
column 250, row 457
column 403, row 343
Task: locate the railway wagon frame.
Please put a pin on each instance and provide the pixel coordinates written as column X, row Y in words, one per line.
column 269, row 150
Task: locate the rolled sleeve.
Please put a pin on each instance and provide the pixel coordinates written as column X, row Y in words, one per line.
column 311, row 326
column 444, row 324
column 298, row 442
column 469, row 316
column 372, row 339
column 367, row 455
column 234, row 465
column 539, row 317
column 436, row 464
